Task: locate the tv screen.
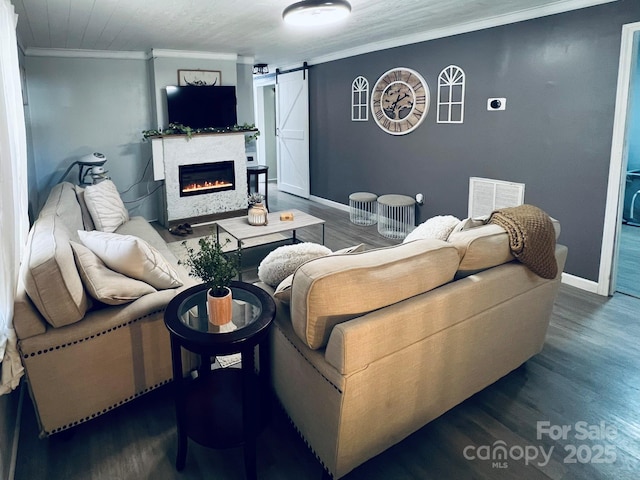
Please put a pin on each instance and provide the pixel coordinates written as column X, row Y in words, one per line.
column 202, row 107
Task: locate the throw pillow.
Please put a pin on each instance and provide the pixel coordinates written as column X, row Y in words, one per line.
column 104, row 284
column 105, row 206
column 438, row 227
column 283, row 291
column 283, row 261
column 87, row 221
column 132, row 257
column 354, row 249
column 469, row 223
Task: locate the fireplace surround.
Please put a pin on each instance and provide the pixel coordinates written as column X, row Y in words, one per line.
column 214, row 151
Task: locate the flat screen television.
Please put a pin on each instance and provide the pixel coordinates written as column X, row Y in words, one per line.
column 202, row 107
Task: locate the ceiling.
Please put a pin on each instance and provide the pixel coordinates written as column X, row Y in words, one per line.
column 254, row 28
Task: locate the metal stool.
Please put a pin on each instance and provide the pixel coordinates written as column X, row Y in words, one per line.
column 396, row 216
column 253, row 172
column 363, row 208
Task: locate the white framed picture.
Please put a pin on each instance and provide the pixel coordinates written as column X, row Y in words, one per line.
column 199, row 78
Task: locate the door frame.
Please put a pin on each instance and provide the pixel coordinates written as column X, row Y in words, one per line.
column 618, row 164
column 258, row 107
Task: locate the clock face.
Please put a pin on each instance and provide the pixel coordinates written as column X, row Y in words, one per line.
column 400, row 101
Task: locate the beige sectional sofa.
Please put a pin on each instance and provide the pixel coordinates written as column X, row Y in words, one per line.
column 371, row 346
column 83, row 358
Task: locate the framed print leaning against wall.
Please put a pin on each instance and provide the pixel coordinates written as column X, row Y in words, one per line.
column 199, row 78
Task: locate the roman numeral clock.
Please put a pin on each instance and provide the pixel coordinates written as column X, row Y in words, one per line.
column 400, row 101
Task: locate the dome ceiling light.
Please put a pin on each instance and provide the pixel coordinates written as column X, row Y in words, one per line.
column 316, row 12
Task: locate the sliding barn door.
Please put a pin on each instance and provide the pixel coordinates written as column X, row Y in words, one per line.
column 292, row 122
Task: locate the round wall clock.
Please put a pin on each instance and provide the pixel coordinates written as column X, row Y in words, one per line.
column 400, row 101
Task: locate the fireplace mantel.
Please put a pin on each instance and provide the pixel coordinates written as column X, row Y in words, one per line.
column 171, row 151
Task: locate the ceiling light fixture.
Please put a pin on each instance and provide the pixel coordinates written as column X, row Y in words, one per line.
column 316, row 12
column 260, row 69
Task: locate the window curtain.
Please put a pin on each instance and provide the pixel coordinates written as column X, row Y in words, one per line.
column 14, row 219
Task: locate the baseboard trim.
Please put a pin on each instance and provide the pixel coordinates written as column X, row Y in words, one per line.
column 581, row 283
column 329, row 203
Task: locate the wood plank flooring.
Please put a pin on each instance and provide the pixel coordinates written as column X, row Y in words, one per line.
column 588, row 371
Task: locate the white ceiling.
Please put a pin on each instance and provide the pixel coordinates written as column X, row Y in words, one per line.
column 254, row 28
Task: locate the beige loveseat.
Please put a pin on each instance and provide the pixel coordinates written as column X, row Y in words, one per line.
column 374, row 345
column 83, row 358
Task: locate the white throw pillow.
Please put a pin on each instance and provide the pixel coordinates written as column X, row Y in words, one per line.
column 469, row 223
column 283, row 291
column 105, row 206
column 354, row 249
column 104, row 284
column 438, row 227
column 132, row 257
column 283, row 261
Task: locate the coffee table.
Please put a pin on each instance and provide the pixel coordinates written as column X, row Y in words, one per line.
column 240, row 229
column 223, row 407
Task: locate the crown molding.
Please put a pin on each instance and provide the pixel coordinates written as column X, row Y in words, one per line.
column 246, row 60
column 73, row 53
column 561, row 6
column 163, row 53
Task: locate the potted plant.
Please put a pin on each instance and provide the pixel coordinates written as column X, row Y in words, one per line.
column 216, row 269
column 257, row 214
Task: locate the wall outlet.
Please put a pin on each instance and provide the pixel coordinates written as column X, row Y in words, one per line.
column 494, row 104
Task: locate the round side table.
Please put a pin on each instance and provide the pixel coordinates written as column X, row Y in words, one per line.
column 396, row 216
column 221, row 407
column 363, row 208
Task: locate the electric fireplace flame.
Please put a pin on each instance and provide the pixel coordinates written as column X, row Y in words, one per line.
column 206, row 178
column 201, row 187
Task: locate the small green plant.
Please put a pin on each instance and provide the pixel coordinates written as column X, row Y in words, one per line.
column 255, row 198
column 211, row 264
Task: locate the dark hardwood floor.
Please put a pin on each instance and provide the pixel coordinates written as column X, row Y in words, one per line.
column 588, row 371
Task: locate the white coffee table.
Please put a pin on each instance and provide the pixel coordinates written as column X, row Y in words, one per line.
column 240, row 229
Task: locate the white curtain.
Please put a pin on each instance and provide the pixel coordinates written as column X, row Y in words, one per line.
column 14, row 220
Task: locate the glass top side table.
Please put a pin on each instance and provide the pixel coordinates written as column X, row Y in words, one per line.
column 222, row 407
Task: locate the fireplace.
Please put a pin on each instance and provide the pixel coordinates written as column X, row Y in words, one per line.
column 206, row 178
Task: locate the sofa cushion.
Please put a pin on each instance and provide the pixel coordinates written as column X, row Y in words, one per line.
column 104, row 284
column 481, row 247
column 283, row 261
column 133, row 257
column 48, row 271
column 336, row 288
column 105, row 206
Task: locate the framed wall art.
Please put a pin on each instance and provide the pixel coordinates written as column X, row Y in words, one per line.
column 199, row 78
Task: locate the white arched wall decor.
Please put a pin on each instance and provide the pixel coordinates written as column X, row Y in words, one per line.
column 360, row 99
column 451, row 85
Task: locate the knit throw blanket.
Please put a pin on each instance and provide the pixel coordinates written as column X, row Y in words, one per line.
column 532, row 238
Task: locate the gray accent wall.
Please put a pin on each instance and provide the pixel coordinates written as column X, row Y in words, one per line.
column 559, row 76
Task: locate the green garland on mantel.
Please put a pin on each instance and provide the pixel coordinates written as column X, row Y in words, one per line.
column 179, row 129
